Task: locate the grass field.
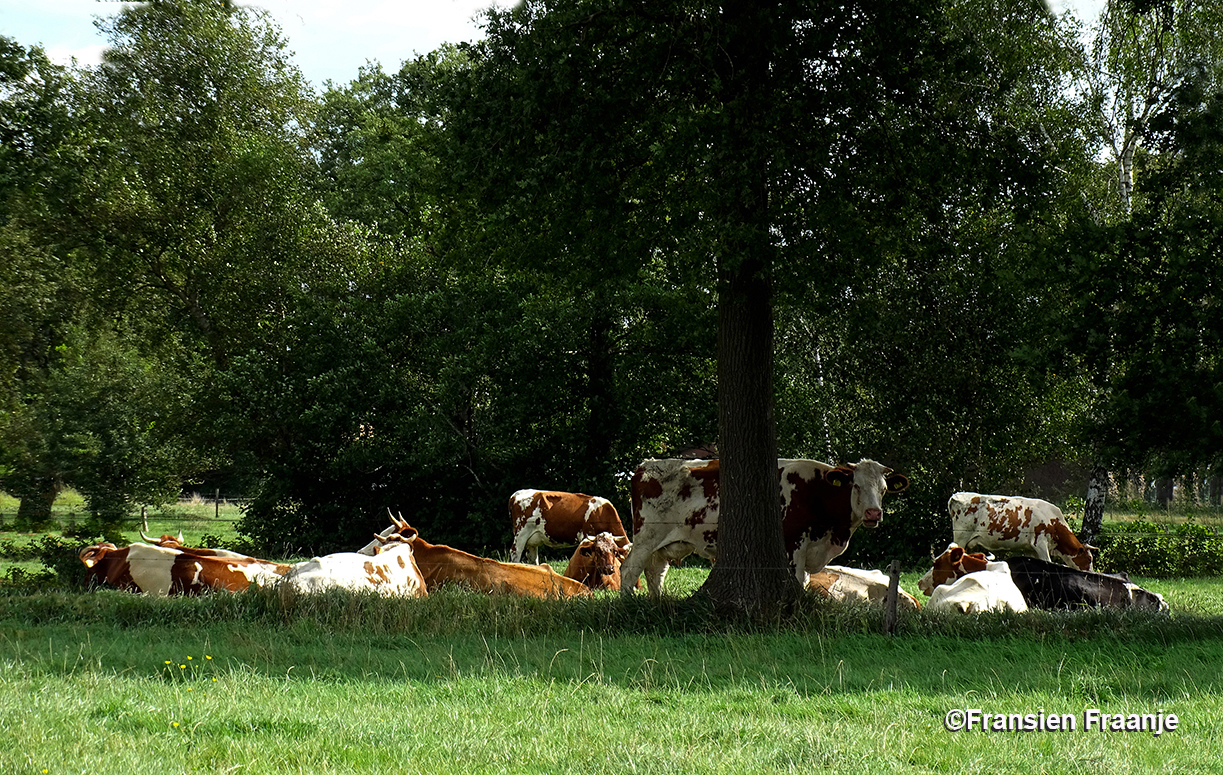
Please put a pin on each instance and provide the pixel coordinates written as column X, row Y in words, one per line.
column 112, row 682
column 109, row 682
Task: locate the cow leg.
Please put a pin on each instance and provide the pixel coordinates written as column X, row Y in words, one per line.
column 523, row 545
column 1041, row 545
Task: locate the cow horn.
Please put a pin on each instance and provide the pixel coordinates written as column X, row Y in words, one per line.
column 145, row 537
column 180, row 536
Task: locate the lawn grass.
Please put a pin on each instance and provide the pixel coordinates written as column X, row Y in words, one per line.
column 111, row 682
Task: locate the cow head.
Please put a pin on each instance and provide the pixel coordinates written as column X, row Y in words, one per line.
column 953, row 563
column 596, row 561
column 92, row 555
column 869, row 482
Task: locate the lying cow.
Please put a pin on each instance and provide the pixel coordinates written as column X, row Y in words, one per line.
column 1049, row 585
column 442, row 564
column 836, row 582
column 953, row 563
column 392, row 572
column 596, row 562
column 675, row 513
column 991, row 589
column 1002, row 523
column 559, row 519
column 159, row 570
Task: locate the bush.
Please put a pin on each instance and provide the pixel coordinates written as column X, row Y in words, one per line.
column 1149, row 549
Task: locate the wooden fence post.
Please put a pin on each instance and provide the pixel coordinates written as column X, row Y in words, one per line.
column 216, row 505
column 889, row 610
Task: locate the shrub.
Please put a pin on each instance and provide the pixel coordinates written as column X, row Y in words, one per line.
column 1148, row 549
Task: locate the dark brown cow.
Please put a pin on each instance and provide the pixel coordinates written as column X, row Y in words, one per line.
column 548, row 518
column 158, row 570
column 441, row 564
column 596, row 562
column 675, row 513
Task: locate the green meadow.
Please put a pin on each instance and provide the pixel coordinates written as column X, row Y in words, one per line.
column 109, row 682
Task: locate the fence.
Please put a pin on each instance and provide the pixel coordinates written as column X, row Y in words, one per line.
column 189, row 511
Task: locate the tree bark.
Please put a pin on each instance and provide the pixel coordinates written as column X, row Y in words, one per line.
column 34, row 510
column 1093, row 507
column 751, row 577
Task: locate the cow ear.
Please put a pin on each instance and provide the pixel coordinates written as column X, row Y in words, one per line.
column 957, row 554
column 897, row 482
column 839, row 477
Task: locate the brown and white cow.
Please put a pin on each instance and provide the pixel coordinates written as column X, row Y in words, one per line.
column 991, row 589
column 441, row 564
column 158, row 570
column 675, row 513
column 953, row 563
column 836, row 582
column 559, row 519
column 1003, row 523
column 596, row 562
column 392, row 572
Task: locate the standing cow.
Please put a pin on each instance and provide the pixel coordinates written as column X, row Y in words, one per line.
column 675, row 513
column 1004, row 523
column 559, row 519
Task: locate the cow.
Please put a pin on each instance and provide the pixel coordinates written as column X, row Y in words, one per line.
column 1050, row 585
column 675, row 513
column 991, row 589
column 836, row 582
column 159, row 570
column 559, row 519
column 596, row 562
column 442, row 564
column 392, row 572
column 953, row 563
column 1006, row 523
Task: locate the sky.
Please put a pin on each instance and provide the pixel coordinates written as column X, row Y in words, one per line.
column 331, row 39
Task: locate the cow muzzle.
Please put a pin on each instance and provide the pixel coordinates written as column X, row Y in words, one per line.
column 873, row 517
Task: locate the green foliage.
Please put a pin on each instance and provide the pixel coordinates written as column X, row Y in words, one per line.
column 1149, row 549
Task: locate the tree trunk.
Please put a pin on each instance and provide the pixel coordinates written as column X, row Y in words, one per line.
column 751, row 577
column 34, row 510
column 1093, row 508
column 1163, row 491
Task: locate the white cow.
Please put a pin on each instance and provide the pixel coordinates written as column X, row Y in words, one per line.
column 987, row 590
column 391, row 572
column 836, row 582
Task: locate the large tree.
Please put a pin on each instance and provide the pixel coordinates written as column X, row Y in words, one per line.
column 758, row 148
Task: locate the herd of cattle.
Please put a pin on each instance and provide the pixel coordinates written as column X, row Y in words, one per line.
column 675, row 514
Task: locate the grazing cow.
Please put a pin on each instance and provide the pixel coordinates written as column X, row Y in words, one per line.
column 392, row 572
column 836, row 582
column 1049, row 585
column 1005, row 523
column 675, row 513
column 596, row 562
column 159, row 570
column 953, row 563
column 544, row 518
column 440, row 564
column 991, row 589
